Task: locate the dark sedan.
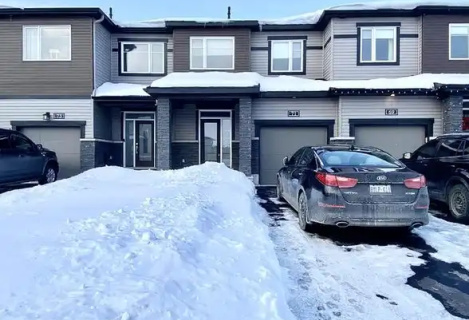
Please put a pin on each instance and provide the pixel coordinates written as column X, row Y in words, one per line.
column 353, row 186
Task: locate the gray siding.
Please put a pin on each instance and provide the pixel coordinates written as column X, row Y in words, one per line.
column 63, row 78
column 328, row 51
column 345, row 51
column 314, row 57
column 102, row 122
column 141, row 79
column 435, row 52
column 32, row 110
column 182, row 46
column 420, row 44
column 102, row 55
column 373, row 108
column 116, row 124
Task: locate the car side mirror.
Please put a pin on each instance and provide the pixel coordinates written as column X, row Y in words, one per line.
column 407, row 155
column 285, row 161
column 39, row 146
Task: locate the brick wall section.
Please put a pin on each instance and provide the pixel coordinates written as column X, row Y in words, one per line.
column 87, row 155
column 163, row 134
column 452, row 114
column 98, row 154
column 184, row 154
column 235, row 155
column 255, row 156
column 245, row 134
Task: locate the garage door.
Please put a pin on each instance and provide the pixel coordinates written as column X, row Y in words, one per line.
column 278, row 142
column 64, row 141
column 393, row 139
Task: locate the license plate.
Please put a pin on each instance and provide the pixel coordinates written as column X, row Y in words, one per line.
column 380, row 189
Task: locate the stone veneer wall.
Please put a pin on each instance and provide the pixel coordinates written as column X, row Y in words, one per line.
column 452, row 114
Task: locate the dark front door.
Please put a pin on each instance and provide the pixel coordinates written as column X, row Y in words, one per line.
column 210, row 146
column 144, row 144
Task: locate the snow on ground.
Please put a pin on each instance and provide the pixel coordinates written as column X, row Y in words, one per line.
column 114, row 243
column 328, row 281
column 449, row 239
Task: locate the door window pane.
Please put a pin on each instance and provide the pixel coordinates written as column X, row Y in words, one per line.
column 55, row 43
column 287, row 55
column 211, row 141
column 378, row 44
column 129, row 143
column 20, row 143
column 226, row 142
column 145, row 142
column 428, row 150
column 212, row 53
column 459, row 41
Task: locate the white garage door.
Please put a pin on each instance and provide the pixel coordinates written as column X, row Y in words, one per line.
column 64, row 141
column 278, row 142
column 393, row 139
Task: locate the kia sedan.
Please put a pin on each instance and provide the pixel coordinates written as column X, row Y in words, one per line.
column 352, row 186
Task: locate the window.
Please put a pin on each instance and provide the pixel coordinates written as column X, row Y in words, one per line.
column 357, row 159
column 308, row 158
column 459, row 41
column 212, row 53
column 426, row 151
column 449, row 148
column 4, row 142
column 295, row 157
column 20, row 143
column 378, row 44
column 286, row 55
column 47, row 43
column 142, row 57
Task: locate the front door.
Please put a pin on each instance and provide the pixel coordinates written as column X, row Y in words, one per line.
column 210, row 144
column 144, row 143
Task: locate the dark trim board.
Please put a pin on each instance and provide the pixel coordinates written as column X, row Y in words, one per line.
column 426, row 122
column 270, row 38
column 378, row 24
column 259, row 48
column 16, row 125
column 258, row 124
column 345, row 36
column 327, row 42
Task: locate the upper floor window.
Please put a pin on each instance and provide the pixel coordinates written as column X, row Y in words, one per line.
column 378, row 44
column 142, row 57
column 47, row 43
column 212, row 53
column 287, row 56
column 459, row 41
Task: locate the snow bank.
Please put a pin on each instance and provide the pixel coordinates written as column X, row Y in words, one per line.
column 449, row 239
column 110, row 89
column 114, row 243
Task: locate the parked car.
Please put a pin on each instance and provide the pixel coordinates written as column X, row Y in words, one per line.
column 352, row 186
column 21, row 160
column 444, row 162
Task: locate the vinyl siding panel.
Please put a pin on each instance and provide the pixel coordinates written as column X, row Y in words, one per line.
column 373, row 108
column 184, row 123
column 314, row 57
column 102, row 120
column 328, row 62
column 116, row 124
column 420, row 44
column 182, row 46
column 33, row 109
column 345, row 51
column 61, row 78
column 141, row 79
column 102, row 55
column 435, row 45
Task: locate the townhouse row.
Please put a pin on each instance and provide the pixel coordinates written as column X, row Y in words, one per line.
column 168, row 94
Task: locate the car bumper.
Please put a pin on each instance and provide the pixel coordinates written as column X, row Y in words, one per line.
column 375, row 214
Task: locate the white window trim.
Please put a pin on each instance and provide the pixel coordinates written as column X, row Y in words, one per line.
column 290, row 57
column 149, row 43
column 449, row 37
column 38, row 27
column 373, row 45
column 204, row 65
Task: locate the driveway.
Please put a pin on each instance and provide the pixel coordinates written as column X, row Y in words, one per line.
column 357, row 272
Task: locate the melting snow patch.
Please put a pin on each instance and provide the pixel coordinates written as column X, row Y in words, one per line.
column 114, row 243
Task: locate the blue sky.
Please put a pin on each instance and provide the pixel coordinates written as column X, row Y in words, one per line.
column 134, row 10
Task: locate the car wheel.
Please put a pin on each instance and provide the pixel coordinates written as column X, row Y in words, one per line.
column 49, row 176
column 458, row 202
column 303, row 212
column 279, row 191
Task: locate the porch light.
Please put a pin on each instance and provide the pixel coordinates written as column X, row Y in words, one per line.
column 46, row 116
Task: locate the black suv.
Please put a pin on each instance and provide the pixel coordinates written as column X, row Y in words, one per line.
column 444, row 162
column 21, row 160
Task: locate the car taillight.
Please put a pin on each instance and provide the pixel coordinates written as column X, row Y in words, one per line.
column 415, row 183
column 336, row 181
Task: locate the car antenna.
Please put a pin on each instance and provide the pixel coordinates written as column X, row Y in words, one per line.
column 352, row 147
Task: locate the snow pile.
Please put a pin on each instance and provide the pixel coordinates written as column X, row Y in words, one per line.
column 110, row 89
column 209, row 79
column 449, row 239
column 114, row 243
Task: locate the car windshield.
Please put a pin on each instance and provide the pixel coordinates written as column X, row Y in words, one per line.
column 359, row 158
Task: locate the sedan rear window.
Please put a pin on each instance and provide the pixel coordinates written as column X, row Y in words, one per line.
column 359, row 158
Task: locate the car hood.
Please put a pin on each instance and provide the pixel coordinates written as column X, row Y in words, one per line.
column 48, row 153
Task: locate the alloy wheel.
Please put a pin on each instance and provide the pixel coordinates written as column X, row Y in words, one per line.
column 459, row 203
column 50, row 175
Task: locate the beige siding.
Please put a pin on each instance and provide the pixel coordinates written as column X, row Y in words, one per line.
column 328, row 52
column 61, row 78
column 33, row 109
column 137, row 79
column 102, row 55
column 345, row 51
column 314, row 57
column 373, row 108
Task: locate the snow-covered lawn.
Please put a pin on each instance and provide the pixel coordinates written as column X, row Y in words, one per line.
column 114, row 243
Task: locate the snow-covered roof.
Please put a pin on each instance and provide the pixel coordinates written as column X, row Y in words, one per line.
column 161, row 23
column 208, row 80
column 110, row 89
